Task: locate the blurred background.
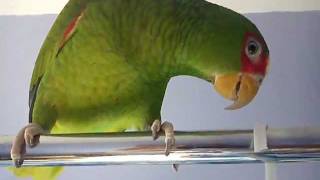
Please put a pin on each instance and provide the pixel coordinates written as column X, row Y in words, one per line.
column 289, row 96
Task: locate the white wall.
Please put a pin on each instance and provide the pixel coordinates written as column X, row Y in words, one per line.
column 289, row 96
column 23, row 7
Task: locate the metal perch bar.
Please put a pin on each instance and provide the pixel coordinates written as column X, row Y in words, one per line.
column 209, row 147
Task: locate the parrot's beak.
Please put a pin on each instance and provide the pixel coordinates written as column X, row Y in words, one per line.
column 238, row 87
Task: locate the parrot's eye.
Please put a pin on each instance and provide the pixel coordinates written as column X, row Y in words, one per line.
column 253, row 49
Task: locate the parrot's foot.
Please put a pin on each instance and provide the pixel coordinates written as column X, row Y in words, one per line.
column 29, row 135
column 167, row 127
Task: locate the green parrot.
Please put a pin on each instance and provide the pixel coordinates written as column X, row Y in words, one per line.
column 105, row 65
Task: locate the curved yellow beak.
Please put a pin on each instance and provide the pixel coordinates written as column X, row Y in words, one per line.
column 238, row 87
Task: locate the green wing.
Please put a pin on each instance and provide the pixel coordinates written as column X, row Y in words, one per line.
column 62, row 30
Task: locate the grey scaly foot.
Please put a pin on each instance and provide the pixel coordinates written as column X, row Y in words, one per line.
column 155, row 129
column 29, row 135
column 168, row 130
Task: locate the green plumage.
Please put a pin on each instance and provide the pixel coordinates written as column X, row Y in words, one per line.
column 111, row 74
column 105, row 64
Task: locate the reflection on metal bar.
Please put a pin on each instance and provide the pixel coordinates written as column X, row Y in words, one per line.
column 210, row 147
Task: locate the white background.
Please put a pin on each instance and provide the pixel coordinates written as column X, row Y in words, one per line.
column 243, row 6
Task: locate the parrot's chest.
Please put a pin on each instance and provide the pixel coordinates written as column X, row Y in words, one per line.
column 100, row 99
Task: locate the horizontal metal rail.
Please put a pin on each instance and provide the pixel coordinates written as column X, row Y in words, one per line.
column 206, row 147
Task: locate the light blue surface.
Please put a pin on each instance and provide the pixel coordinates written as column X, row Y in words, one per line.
column 289, row 96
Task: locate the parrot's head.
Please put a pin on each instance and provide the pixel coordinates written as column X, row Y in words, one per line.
column 233, row 55
column 242, row 85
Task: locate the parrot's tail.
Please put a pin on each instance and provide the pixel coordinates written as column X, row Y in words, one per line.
column 37, row 173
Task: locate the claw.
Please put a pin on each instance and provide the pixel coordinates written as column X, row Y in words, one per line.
column 155, row 136
column 33, row 141
column 30, row 135
column 18, row 162
column 29, row 140
column 17, row 156
column 155, row 128
column 169, row 134
column 169, row 139
column 170, row 142
column 175, row 167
